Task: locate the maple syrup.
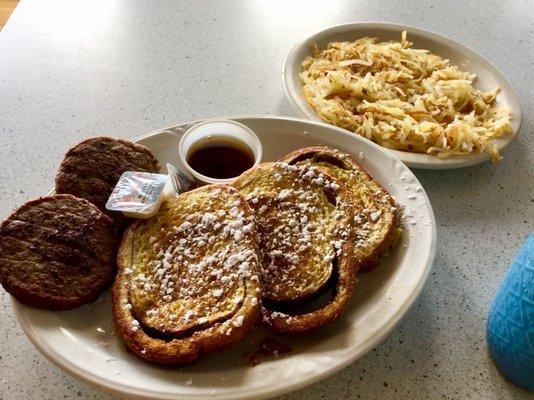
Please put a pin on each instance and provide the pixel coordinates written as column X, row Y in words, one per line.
column 220, row 157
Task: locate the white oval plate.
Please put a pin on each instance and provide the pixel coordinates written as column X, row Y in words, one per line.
column 488, row 77
column 72, row 342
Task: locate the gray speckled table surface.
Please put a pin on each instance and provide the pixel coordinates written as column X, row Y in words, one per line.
column 71, row 69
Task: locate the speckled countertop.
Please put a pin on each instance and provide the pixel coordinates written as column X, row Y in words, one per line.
column 70, row 69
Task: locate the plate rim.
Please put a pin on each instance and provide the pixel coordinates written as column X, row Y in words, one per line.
column 110, row 386
column 412, row 160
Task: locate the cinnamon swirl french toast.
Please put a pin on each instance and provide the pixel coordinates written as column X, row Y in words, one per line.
column 377, row 224
column 188, row 280
column 303, row 218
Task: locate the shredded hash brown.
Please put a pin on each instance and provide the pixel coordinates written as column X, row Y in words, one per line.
column 403, row 98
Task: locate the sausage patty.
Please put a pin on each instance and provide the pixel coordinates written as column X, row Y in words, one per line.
column 92, row 168
column 57, row 252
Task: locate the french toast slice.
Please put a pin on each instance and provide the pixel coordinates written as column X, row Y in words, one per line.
column 303, row 217
column 377, row 224
column 188, row 280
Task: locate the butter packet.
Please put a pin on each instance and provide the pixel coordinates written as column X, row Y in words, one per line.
column 140, row 194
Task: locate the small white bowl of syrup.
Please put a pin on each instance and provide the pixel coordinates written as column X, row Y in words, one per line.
column 219, row 150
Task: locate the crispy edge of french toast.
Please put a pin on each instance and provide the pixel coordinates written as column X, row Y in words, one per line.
column 183, row 350
column 394, row 231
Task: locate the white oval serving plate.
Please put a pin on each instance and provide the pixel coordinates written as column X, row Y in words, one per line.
column 82, row 343
column 488, row 77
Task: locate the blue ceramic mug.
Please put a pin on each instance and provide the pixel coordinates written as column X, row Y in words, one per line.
column 510, row 331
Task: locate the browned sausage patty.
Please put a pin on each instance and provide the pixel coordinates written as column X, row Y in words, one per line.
column 57, row 252
column 91, row 169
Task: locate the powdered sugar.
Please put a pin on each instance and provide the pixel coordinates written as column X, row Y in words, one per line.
column 204, row 264
column 239, row 321
column 290, row 221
